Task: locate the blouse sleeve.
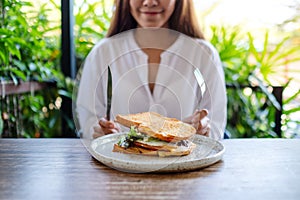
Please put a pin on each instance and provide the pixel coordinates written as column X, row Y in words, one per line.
column 214, row 99
column 91, row 96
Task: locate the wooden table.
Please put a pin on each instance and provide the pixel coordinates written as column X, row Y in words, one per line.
column 63, row 169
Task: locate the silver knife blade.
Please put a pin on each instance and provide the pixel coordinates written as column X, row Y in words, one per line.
column 200, row 80
column 108, row 93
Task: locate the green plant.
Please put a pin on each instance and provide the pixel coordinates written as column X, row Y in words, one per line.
column 29, row 51
column 251, row 104
column 272, row 57
column 26, row 52
column 91, row 24
column 289, row 124
column 272, row 60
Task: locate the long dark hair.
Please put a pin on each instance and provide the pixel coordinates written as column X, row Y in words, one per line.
column 183, row 19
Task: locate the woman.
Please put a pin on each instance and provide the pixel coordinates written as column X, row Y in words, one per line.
column 152, row 63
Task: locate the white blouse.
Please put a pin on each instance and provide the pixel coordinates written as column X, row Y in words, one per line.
column 176, row 93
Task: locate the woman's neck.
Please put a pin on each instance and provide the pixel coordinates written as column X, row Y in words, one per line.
column 155, row 38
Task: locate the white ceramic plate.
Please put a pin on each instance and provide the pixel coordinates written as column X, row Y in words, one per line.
column 207, row 152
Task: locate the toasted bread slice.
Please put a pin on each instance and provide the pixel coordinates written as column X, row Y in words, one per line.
column 134, row 150
column 158, row 126
column 180, row 151
column 139, row 118
column 163, row 146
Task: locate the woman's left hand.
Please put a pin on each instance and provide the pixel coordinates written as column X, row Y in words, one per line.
column 201, row 122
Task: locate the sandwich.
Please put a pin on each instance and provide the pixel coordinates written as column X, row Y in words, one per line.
column 152, row 134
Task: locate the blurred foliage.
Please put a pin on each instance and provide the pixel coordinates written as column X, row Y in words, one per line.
column 251, row 103
column 26, row 52
column 91, row 23
column 29, row 51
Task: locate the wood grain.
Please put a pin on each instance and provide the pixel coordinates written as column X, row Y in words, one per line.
column 63, row 169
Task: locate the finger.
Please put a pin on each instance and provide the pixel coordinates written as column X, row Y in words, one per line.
column 204, row 122
column 197, row 119
column 110, row 130
column 106, row 127
column 204, row 126
column 196, row 124
column 106, row 124
column 203, row 113
column 102, row 122
column 206, row 131
column 199, row 114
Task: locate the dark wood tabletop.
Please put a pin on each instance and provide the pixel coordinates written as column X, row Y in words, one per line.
column 63, row 169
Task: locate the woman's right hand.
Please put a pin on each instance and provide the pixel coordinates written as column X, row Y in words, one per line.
column 105, row 127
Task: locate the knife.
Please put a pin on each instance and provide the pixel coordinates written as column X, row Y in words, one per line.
column 200, row 80
column 108, row 94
